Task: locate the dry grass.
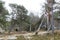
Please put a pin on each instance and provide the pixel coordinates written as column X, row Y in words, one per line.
column 56, row 36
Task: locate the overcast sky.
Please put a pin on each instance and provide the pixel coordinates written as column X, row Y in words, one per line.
column 31, row 5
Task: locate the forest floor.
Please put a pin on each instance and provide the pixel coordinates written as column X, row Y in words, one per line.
column 42, row 35
column 16, row 35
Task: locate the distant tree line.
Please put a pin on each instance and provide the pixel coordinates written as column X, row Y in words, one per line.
column 19, row 20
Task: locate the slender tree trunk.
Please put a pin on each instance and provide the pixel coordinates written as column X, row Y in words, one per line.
column 30, row 27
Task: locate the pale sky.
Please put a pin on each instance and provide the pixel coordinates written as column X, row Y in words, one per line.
column 31, row 5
